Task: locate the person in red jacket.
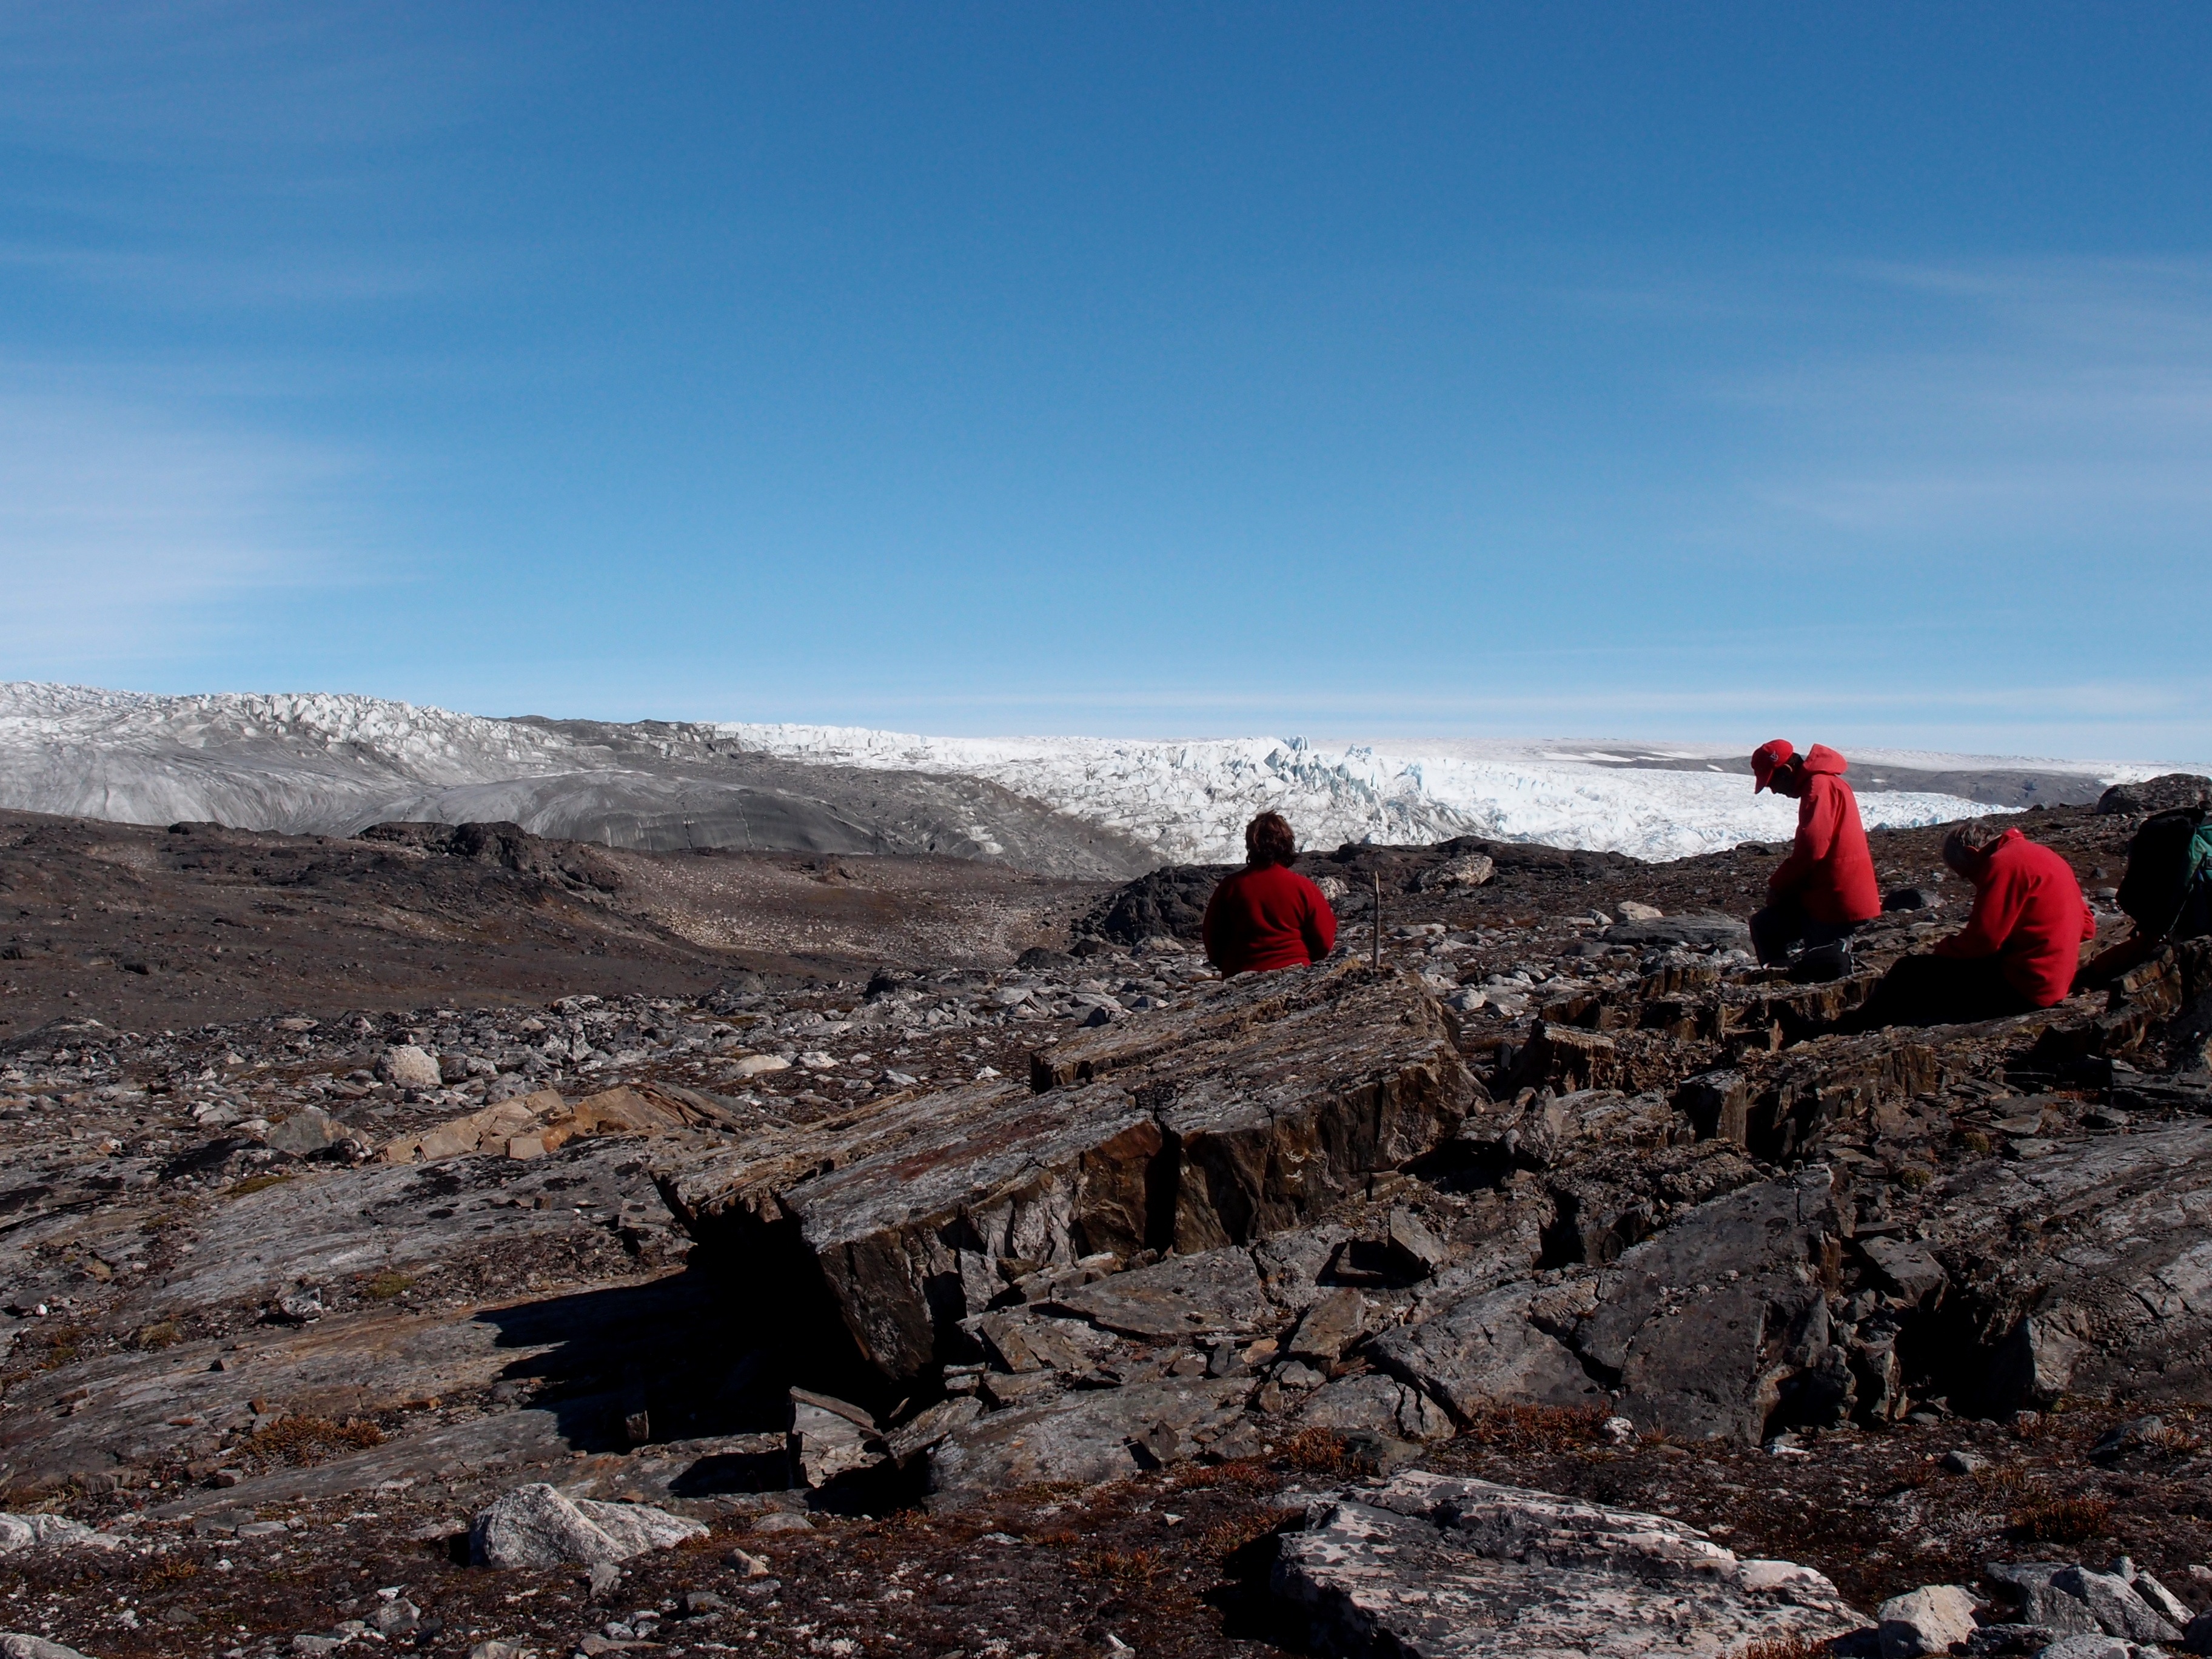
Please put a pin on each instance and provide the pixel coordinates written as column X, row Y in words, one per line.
column 1268, row 916
column 2018, row 950
column 1820, row 894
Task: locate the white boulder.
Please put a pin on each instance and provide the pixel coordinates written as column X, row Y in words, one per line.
column 537, row 1526
column 1925, row 1620
column 404, row 1066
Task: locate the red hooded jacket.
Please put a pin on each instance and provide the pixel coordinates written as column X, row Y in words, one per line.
column 1267, row 917
column 1830, row 870
column 2030, row 914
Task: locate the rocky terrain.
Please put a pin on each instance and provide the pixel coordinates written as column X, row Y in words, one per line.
column 527, row 1247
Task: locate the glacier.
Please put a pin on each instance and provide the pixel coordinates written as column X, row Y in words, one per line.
column 331, row 763
column 1192, row 800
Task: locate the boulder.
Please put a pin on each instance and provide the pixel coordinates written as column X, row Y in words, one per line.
column 404, row 1066
column 1259, row 1105
column 1566, row 1058
column 49, row 1532
column 1926, row 1621
column 1699, row 931
column 2113, row 1603
column 1469, row 870
column 1376, row 1404
column 1414, row 1252
column 536, row 1527
column 1487, row 1349
column 530, row 1126
column 2160, row 1599
column 1424, row 1564
column 1717, row 1103
column 16, row 1644
column 306, row 1133
column 2070, row 1599
column 2091, row 1646
column 1089, row 1437
column 1328, row 1326
column 1707, row 1325
column 930, row 1426
column 1905, row 1270
column 1212, row 1293
column 830, row 1438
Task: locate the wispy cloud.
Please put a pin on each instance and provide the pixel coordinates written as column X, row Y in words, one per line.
column 211, row 78
column 2019, row 399
column 195, row 280
column 125, row 532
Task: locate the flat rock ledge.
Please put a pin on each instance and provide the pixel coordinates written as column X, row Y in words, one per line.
column 1449, row 1569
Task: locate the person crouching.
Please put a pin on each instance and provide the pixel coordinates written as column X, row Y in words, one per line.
column 1826, row 889
column 2017, row 952
column 1268, row 916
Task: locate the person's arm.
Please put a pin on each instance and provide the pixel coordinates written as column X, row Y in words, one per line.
column 1817, row 816
column 1320, row 926
column 1998, row 903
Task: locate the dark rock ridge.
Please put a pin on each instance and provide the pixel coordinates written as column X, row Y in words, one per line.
column 507, row 847
column 2159, row 794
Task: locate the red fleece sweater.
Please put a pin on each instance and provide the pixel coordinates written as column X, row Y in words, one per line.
column 2029, row 913
column 1830, row 869
column 1266, row 918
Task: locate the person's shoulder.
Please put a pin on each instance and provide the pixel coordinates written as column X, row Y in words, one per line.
column 1305, row 884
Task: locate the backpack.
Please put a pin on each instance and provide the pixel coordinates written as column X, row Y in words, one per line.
column 2167, row 888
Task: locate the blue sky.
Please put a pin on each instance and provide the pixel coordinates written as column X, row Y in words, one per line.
column 1706, row 371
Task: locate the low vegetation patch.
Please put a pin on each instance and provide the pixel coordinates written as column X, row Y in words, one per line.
column 298, row 1441
column 2063, row 1520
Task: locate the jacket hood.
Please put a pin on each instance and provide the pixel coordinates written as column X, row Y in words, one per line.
column 1821, row 758
column 1976, row 863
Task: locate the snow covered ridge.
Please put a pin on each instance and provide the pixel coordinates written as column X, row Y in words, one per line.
column 1192, row 800
column 330, row 763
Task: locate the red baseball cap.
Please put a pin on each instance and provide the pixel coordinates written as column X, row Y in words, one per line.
column 1767, row 759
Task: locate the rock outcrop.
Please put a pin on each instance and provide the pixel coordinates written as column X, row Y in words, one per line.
column 1262, row 1106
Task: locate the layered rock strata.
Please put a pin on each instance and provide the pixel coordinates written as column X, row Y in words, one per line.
column 1261, row 1106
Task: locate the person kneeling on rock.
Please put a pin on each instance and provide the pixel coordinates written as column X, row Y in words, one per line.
column 2018, row 950
column 1268, row 916
column 1821, row 893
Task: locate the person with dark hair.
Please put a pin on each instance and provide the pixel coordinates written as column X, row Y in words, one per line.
column 1268, row 916
column 1820, row 894
column 2018, row 951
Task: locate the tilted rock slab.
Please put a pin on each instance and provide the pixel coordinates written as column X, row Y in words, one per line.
column 2117, row 1304
column 1428, row 1567
column 1260, row 1105
column 1697, row 1331
column 1101, row 1435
